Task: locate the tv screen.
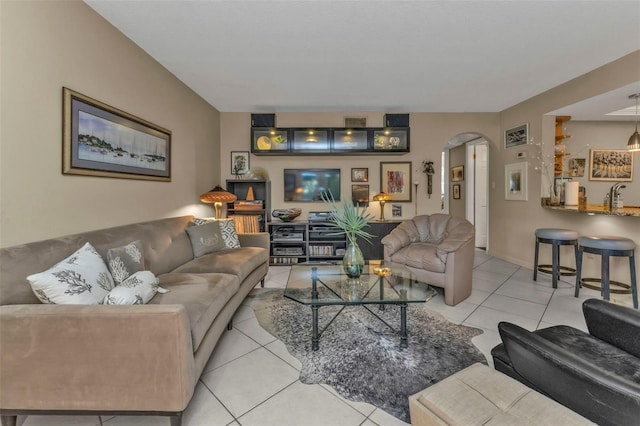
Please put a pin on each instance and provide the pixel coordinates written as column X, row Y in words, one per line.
column 309, row 184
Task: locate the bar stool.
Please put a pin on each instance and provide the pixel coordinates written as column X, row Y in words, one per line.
column 556, row 237
column 606, row 246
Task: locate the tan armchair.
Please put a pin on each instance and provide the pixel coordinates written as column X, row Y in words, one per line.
column 439, row 249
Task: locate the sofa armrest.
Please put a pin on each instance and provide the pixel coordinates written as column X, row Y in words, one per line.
column 570, row 379
column 258, row 239
column 615, row 324
column 95, row 357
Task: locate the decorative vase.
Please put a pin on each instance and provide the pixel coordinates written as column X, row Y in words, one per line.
column 555, row 192
column 353, row 261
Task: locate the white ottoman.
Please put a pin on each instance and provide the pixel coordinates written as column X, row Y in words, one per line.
column 479, row 395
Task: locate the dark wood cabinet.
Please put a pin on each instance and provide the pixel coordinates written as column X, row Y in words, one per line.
column 375, row 250
column 261, row 192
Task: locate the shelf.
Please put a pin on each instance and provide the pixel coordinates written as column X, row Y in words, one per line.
column 327, row 141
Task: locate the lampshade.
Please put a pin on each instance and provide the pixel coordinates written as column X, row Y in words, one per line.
column 382, row 197
column 634, row 141
column 217, row 196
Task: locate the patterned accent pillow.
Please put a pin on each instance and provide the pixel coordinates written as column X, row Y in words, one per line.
column 125, row 261
column 137, row 289
column 80, row 279
column 205, row 238
column 228, row 229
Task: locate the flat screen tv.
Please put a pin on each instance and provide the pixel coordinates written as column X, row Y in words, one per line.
column 309, row 184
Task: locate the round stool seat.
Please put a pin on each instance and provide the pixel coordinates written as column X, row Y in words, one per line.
column 607, row 242
column 556, row 234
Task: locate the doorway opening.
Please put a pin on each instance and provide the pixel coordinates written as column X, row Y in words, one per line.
column 466, row 194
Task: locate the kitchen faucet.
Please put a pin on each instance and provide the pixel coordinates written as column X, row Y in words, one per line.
column 614, row 192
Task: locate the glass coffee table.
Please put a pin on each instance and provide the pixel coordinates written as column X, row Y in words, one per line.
column 381, row 283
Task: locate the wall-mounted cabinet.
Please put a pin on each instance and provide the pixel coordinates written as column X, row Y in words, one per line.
column 324, row 141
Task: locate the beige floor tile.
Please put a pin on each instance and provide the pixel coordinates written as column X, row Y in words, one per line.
column 489, row 318
column 205, row 410
column 252, row 329
column 514, row 306
column 314, row 406
column 232, row 345
column 249, row 380
column 383, row 418
column 60, row 420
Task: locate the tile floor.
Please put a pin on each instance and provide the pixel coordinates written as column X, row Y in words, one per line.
column 252, row 380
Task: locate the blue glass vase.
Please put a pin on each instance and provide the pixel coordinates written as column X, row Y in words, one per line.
column 353, row 261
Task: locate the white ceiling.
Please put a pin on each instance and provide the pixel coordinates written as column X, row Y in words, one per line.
column 391, row 56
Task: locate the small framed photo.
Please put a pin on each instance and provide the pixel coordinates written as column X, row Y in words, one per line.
column 611, row 165
column 577, row 167
column 360, row 174
column 515, row 181
column 360, row 195
column 457, row 174
column 516, row 136
column 396, row 210
column 456, row 191
column 395, row 180
column 239, row 162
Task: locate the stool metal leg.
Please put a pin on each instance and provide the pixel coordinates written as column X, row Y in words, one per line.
column 535, row 261
column 634, row 284
column 555, row 263
column 578, row 269
column 605, row 275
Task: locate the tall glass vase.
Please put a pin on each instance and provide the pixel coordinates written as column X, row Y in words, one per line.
column 353, row 260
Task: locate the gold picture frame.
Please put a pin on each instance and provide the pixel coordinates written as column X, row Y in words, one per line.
column 395, row 180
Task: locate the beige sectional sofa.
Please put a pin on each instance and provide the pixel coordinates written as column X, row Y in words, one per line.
column 439, row 249
column 122, row 359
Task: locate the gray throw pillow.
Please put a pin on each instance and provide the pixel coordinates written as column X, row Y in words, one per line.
column 205, row 238
column 227, row 228
column 125, row 261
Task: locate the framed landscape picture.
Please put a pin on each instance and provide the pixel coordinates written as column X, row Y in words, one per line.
column 360, row 174
column 360, row 195
column 516, row 136
column 457, row 174
column 515, row 181
column 395, row 180
column 100, row 140
column 611, row 165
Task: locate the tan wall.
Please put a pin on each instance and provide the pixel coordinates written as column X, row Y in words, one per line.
column 48, row 45
column 512, row 223
column 430, row 133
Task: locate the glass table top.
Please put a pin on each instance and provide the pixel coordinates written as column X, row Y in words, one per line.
column 380, row 283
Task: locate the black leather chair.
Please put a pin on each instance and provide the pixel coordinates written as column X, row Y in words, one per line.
column 595, row 374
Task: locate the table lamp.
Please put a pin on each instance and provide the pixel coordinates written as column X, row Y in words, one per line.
column 382, row 197
column 217, row 196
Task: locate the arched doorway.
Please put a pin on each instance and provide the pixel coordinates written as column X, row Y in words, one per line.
column 466, row 182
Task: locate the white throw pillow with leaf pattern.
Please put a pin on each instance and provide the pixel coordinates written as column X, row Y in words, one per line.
column 80, row 279
column 137, row 289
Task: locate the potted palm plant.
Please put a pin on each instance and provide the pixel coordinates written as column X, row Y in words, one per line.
column 351, row 220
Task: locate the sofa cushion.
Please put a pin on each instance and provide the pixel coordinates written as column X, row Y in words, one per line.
column 420, row 256
column 205, row 238
column 203, row 296
column 80, row 279
column 137, row 289
column 240, row 262
column 125, row 261
column 227, row 228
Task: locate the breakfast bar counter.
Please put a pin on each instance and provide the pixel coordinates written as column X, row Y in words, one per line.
column 596, row 209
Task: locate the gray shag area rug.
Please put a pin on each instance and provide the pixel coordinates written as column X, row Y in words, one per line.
column 360, row 357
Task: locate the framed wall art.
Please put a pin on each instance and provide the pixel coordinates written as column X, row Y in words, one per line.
column 516, row 136
column 577, row 166
column 456, row 191
column 396, row 210
column 360, row 195
column 100, row 140
column 360, row 174
column 611, row 165
column 457, row 174
column 239, row 162
column 515, row 181
column 395, row 180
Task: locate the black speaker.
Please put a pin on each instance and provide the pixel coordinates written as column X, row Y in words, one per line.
column 396, row 120
column 263, row 120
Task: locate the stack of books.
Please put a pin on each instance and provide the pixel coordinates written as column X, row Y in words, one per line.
column 247, row 205
column 246, row 224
